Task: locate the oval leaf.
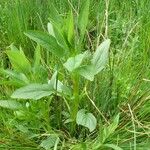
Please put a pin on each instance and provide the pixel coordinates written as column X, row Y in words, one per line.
column 47, row 41
column 100, row 57
column 86, row 119
column 49, row 142
column 87, row 72
column 33, row 91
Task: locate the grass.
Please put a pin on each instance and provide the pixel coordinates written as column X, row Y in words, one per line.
column 122, row 87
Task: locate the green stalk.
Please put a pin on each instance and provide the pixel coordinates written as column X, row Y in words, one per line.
column 75, row 102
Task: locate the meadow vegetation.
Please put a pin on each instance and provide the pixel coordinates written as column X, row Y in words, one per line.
column 74, row 74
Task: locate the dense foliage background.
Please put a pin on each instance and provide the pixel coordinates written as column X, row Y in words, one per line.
column 118, row 97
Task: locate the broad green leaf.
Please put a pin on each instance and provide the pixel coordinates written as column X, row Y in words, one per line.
column 86, row 119
column 10, row 104
column 113, row 146
column 83, row 17
column 49, row 142
column 75, row 62
column 87, row 72
column 47, row 41
column 19, row 61
column 100, row 57
column 98, row 62
column 38, row 91
column 33, row 91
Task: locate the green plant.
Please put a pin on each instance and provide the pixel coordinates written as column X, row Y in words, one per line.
column 23, row 71
column 77, row 69
column 57, row 74
column 59, row 42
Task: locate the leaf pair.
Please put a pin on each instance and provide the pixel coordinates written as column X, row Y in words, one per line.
column 75, row 62
column 97, row 63
column 61, row 37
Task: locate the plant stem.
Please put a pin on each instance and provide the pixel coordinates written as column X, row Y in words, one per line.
column 75, row 102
